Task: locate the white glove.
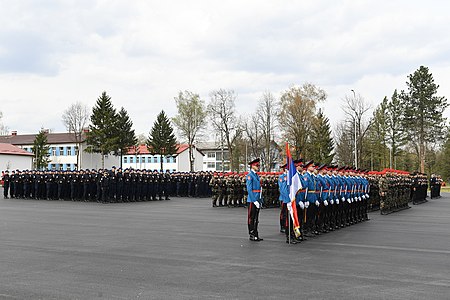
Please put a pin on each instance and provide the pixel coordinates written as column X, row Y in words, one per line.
column 302, row 206
column 256, row 204
column 332, row 202
column 317, row 203
column 359, row 198
column 325, row 202
column 343, row 199
column 367, row 195
column 349, row 201
column 337, row 201
column 363, row 196
column 289, row 206
column 306, row 204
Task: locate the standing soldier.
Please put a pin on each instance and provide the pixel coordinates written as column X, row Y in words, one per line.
column 254, row 200
column 214, row 183
column 6, row 181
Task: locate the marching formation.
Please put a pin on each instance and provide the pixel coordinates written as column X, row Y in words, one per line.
column 105, row 186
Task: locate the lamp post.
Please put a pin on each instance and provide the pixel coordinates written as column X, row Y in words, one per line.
column 356, row 149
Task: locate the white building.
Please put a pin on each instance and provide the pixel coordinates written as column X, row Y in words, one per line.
column 213, row 157
column 63, row 151
column 140, row 158
column 12, row 158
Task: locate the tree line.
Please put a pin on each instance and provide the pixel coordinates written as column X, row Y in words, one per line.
column 405, row 131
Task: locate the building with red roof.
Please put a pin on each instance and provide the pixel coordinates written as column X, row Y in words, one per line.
column 12, row 157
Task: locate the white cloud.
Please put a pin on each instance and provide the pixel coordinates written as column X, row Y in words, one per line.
column 143, row 52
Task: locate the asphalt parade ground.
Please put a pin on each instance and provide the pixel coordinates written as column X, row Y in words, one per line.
column 184, row 249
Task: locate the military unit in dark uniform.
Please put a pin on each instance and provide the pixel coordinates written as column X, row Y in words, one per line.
column 105, row 186
column 435, row 186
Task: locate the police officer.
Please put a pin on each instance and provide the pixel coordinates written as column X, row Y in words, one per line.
column 254, row 200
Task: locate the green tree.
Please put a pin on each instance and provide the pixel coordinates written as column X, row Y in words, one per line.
column 41, row 150
column 395, row 132
column 423, row 110
column 297, row 107
column 162, row 139
column 443, row 160
column 102, row 136
column 190, row 120
column 125, row 134
column 322, row 144
column 376, row 154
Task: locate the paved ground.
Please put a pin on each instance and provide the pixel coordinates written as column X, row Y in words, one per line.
column 183, row 249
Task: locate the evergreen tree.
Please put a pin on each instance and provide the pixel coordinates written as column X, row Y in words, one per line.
column 376, row 154
column 322, row 144
column 102, row 136
column 443, row 160
column 423, row 117
column 162, row 139
column 41, row 150
column 395, row 132
column 125, row 134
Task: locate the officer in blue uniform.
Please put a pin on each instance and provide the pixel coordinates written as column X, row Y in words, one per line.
column 285, row 217
column 284, row 197
column 254, row 200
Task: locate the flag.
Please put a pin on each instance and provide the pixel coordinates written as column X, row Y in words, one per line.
column 294, row 186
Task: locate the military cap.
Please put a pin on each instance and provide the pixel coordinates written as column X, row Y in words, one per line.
column 254, row 162
column 309, row 163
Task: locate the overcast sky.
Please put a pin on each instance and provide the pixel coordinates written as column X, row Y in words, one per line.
column 54, row 53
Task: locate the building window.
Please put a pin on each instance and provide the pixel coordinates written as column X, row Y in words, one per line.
column 76, row 150
column 125, row 159
column 211, row 155
column 137, row 159
column 61, row 151
column 52, row 167
column 155, row 159
column 211, row 165
column 61, row 166
column 131, row 160
column 218, row 155
column 174, row 159
column 53, row 151
column 69, row 151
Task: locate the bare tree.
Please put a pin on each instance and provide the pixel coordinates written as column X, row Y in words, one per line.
column 355, row 109
column 252, row 130
column 3, row 128
column 75, row 118
column 190, row 120
column 267, row 111
column 343, row 142
column 222, row 113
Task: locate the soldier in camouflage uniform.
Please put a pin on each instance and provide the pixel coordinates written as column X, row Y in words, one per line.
column 383, row 188
column 214, row 184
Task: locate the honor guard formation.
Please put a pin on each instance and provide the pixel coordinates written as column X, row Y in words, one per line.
column 330, row 197
column 105, row 186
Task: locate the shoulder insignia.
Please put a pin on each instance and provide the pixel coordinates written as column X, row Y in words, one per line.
column 248, row 177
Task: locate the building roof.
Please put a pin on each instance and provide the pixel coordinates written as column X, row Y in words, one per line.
column 211, row 146
column 28, row 139
column 9, row 149
column 142, row 149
